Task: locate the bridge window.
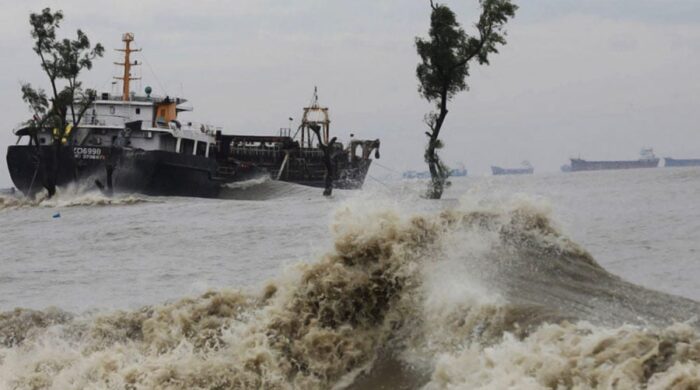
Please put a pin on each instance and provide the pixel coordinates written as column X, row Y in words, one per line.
column 138, row 111
column 201, row 148
column 187, row 146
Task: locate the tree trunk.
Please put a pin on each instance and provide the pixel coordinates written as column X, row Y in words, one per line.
column 437, row 179
column 330, row 168
column 327, row 160
column 51, row 171
column 438, row 176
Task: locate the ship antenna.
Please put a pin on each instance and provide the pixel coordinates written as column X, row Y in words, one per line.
column 127, row 38
column 314, row 98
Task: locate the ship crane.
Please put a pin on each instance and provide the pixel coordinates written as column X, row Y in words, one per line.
column 314, row 116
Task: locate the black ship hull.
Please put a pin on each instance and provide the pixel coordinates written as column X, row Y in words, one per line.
column 162, row 173
column 578, row 165
column 349, row 176
column 686, row 162
column 283, row 159
column 157, row 173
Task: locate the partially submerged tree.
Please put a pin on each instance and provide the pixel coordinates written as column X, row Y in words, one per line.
column 445, row 58
column 328, row 157
column 62, row 61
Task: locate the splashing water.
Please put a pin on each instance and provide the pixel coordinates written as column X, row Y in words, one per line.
column 248, row 183
column 469, row 297
column 70, row 196
column 264, row 188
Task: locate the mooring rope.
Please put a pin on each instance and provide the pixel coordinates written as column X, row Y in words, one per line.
column 379, row 181
column 385, row 167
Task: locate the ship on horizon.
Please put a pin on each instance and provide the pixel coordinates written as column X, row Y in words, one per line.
column 526, row 169
column 460, row 171
column 647, row 160
column 137, row 143
column 681, row 162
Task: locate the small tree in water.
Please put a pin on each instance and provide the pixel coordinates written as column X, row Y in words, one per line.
column 328, row 157
column 62, row 60
column 445, row 58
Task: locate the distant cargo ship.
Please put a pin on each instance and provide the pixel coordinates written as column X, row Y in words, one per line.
column 683, row 162
column 416, row 174
column 646, row 160
column 527, row 169
column 461, row 171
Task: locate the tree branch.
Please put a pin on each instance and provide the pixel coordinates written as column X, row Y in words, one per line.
column 86, row 106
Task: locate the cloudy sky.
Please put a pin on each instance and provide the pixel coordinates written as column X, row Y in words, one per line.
column 598, row 79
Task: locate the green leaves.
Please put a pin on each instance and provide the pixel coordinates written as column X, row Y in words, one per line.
column 36, row 99
column 44, row 27
column 444, row 66
column 490, row 26
column 75, row 55
column 439, row 71
column 62, row 60
column 446, row 54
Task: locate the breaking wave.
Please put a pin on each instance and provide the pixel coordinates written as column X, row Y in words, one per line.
column 8, row 201
column 470, row 297
column 70, row 196
column 264, row 188
column 92, row 199
column 248, row 183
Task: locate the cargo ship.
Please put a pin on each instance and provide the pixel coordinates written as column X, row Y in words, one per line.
column 685, row 162
column 460, row 171
column 647, row 160
column 527, row 169
column 138, row 143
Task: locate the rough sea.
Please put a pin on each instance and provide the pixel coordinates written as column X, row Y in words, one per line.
column 550, row 281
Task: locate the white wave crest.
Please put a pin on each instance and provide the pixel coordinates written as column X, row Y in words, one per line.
column 458, row 298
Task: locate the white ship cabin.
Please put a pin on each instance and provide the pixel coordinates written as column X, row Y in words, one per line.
column 143, row 122
column 136, row 121
column 647, row 154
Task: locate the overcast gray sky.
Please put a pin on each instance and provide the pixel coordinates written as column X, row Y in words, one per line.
column 595, row 78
